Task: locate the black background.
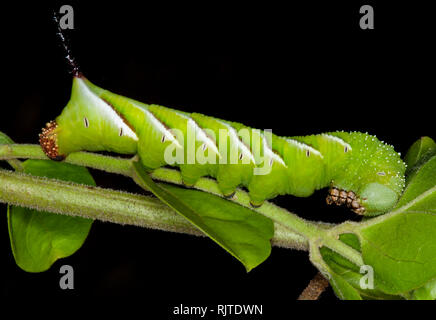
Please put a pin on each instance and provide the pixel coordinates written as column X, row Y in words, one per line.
column 296, row 69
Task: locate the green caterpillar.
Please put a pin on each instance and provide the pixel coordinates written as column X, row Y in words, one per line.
column 363, row 173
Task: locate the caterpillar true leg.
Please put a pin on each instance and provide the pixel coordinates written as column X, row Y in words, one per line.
column 342, row 197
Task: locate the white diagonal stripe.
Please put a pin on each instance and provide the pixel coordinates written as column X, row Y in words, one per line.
column 106, row 110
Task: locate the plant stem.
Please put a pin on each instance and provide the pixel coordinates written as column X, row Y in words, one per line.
column 107, row 205
column 84, row 159
column 124, row 167
column 310, row 231
column 315, row 288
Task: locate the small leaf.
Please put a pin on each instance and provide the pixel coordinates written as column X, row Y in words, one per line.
column 426, row 292
column 351, row 239
column 331, row 256
column 4, row 139
column 351, row 274
column 419, row 152
column 244, row 233
column 401, row 245
column 342, row 288
column 419, row 182
column 39, row 238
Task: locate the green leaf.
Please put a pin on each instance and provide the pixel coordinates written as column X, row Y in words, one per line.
column 39, row 238
column 419, row 152
column 351, row 274
column 426, row 292
column 419, row 183
column 4, row 139
column 401, row 245
column 244, row 233
column 351, row 239
column 342, row 288
column 330, row 256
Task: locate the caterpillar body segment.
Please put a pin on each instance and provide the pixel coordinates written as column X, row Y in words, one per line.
column 370, row 172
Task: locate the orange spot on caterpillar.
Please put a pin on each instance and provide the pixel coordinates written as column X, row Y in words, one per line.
column 48, row 141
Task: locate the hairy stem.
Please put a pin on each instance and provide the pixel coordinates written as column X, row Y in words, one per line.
column 301, row 229
column 106, row 205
